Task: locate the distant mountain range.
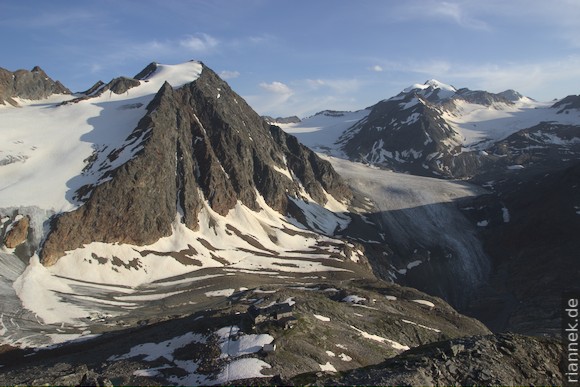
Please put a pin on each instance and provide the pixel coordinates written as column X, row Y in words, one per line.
column 524, row 153
column 434, row 129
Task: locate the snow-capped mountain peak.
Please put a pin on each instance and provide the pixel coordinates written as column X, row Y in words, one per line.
column 432, row 89
column 431, row 83
column 176, row 75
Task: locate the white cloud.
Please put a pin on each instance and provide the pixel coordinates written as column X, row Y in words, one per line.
column 306, row 97
column 227, row 74
column 377, row 68
column 340, row 85
column 199, row 43
column 276, row 88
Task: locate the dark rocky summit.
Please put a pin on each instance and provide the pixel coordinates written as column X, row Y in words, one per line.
column 281, row 120
column 199, row 142
column 400, row 137
column 34, row 84
column 568, row 103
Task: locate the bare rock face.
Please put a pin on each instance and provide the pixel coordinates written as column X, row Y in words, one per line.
column 504, row 359
column 200, row 142
column 34, row 84
column 17, row 232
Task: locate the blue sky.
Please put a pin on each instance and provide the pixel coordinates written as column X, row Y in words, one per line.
column 289, row 57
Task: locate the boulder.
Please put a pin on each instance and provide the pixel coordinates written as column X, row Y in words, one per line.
column 17, row 232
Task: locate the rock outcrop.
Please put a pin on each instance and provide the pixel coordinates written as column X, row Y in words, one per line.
column 281, row 120
column 199, row 143
column 34, row 84
column 506, row 360
column 531, row 236
column 16, row 232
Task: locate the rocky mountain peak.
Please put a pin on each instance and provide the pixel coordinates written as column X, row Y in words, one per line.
column 432, row 90
column 147, row 71
column 511, row 95
column 26, row 84
column 37, row 69
column 199, row 143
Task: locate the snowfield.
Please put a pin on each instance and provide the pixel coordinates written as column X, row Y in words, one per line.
column 321, row 131
column 52, row 141
column 478, row 126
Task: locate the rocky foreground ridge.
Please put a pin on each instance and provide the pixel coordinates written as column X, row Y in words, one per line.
column 493, row 360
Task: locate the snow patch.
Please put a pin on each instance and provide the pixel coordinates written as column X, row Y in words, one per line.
column 380, row 339
column 424, row 302
column 353, row 299
column 344, row 357
column 505, row 214
column 327, row 367
column 422, row 326
column 220, row 293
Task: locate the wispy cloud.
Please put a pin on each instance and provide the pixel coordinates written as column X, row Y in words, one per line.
column 305, row 97
column 376, row 68
column 464, row 13
column 276, row 88
column 200, row 42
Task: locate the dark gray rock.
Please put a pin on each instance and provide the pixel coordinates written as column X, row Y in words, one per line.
column 568, row 103
column 17, row 232
column 281, row 120
column 534, row 251
column 93, row 88
column 34, row 84
column 511, row 95
column 403, row 134
column 224, row 150
column 504, row 359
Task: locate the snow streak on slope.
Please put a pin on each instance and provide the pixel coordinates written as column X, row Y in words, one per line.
column 45, row 144
column 103, row 280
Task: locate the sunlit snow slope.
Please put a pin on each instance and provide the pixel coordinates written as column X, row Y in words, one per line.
column 46, row 144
